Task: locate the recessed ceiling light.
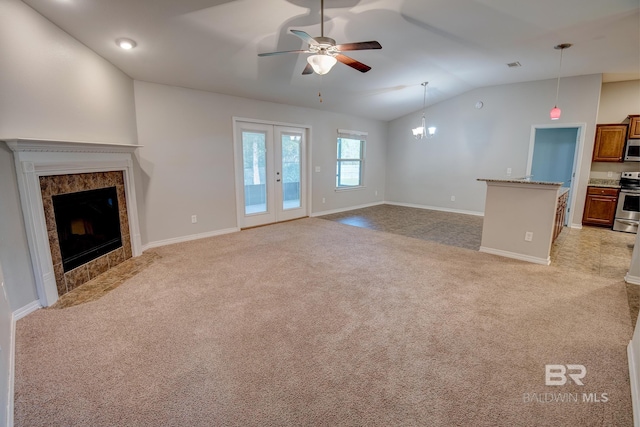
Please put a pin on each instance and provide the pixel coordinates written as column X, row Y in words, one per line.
column 514, row 64
column 126, row 44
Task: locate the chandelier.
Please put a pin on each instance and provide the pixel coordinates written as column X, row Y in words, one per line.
column 422, row 131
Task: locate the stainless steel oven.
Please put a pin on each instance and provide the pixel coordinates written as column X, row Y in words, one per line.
column 628, row 209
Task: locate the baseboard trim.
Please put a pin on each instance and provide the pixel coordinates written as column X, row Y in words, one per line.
column 350, row 208
column 635, row 387
column 576, row 226
column 27, row 309
column 188, row 238
column 514, row 255
column 436, row 208
column 634, row 280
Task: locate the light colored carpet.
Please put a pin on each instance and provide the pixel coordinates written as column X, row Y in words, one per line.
column 313, row 322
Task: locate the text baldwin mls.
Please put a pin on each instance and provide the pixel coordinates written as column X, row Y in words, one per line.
column 556, row 375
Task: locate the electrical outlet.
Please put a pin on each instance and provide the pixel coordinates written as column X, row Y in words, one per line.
column 317, row 168
column 508, row 171
column 324, row 200
column 609, row 174
column 194, row 219
column 376, row 192
column 528, row 236
column 453, row 198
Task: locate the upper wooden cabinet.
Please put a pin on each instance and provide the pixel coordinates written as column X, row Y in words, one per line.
column 609, row 143
column 634, row 127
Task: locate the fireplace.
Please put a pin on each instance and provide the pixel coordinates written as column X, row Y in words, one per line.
column 49, row 172
column 87, row 226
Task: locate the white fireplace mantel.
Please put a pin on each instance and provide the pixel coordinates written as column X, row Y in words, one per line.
column 37, row 157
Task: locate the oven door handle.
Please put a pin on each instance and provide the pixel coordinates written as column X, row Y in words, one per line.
column 627, row 222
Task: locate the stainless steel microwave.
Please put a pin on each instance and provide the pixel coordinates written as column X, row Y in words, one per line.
column 632, row 152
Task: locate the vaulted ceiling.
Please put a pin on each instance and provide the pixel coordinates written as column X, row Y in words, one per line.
column 456, row 45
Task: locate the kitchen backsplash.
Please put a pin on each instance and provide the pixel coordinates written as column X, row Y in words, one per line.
column 615, row 176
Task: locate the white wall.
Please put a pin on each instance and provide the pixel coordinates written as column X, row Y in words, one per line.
column 482, row 143
column 51, row 87
column 6, row 355
column 187, row 159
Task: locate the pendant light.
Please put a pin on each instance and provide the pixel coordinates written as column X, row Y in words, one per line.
column 555, row 112
column 423, row 131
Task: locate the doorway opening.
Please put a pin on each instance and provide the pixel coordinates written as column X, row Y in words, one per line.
column 554, row 155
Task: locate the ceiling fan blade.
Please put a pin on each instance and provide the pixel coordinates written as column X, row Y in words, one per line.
column 307, row 70
column 282, row 52
column 353, row 63
column 359, row 46
column 306, row 37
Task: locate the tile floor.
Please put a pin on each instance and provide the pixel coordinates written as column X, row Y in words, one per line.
column 592, row 250
column 107, row 281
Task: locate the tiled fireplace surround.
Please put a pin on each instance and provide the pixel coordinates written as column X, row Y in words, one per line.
column 72, row 183
column 45, row 168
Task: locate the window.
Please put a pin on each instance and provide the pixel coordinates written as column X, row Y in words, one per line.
column 349, row 167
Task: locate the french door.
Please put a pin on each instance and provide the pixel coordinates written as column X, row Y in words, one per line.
column 270, row 173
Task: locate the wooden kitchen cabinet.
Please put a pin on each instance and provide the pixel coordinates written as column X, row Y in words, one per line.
column 600, row 206
column 634, row 127
column 561, row 209
column 609, row 143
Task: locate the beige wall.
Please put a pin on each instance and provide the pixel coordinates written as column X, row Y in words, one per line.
column 618, row 100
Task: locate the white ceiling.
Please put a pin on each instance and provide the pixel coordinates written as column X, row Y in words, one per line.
column 456, row 45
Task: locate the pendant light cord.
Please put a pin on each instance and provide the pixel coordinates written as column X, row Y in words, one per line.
column 559, row 71
column 424, row 99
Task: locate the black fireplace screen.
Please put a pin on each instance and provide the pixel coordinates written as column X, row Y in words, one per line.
column 88, row 225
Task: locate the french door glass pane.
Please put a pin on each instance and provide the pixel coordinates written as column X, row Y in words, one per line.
column 291, row 171
column 254, row 150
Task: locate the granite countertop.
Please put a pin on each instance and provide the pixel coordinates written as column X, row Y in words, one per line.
column 608, row 183
column 520, row 181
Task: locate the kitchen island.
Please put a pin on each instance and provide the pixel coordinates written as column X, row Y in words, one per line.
column 522, row 218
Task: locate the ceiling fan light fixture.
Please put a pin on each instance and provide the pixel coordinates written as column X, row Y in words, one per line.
column 321, row 63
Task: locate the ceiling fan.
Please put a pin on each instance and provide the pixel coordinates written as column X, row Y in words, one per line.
column 326, row 52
